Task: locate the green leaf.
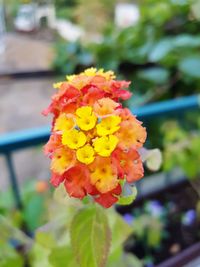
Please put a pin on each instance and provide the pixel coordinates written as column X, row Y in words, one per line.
column 129, row 194
column 9, row 257
column 186, row 40
column 45, row 239
column 190, row 66
column 33, row 211
column 6, row 199
column 132, row 261
column 154, row 234
column 39, row 256
column 115, row 257
column 120, row 230
column 8, row 231
column 155, row 75
column 61, row 256
column 125, row 260
column 161, row 50
column 90, row 237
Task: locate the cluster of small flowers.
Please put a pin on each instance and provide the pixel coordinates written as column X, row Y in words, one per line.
column 94, row 141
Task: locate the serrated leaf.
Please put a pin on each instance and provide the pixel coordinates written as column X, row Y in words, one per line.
column 120, row 230
column 115, row 256
column 62, row 257
column 90, row 237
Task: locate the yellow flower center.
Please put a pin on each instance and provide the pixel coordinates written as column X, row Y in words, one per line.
column 104, row 178
column 64, row 123
column 108, row 125
column 57, row 85
column 105, row 145
column 62, row 160
column 86, row 118
column 70, row 78
column 93, row 71
column 74, row 139
column 85, row 154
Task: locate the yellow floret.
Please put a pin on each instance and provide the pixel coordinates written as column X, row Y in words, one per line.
column 84, row 111
column 108, row 125
column 108, row 74
column 85, row 154
column 64, row 123
column 70, row 77
column 62, row 160
column 57, row 85
column 74, row 139
column 105, row 145
column 90, row 71
column 104, row 178
column 93, row 71
column 86, row 118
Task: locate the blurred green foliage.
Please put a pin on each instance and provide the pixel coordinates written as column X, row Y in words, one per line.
column 149, row 222
column 181, row 146
column 65, row 9
column 51, row 246
column 33, row 214
column 160, row 54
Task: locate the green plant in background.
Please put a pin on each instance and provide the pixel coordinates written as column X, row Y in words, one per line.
column 148, row 223
column 34, row 196
column 181, row 147
column 11, row 8
column 160, row 53
column 65, row 9
column 67, row 219
column 70, row 56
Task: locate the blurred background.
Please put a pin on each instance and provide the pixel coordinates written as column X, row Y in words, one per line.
column 153, row 43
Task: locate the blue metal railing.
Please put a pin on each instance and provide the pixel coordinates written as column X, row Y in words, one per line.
column 28, row 138
column 169, row 107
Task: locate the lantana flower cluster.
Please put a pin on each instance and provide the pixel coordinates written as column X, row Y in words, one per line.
column 94, row 141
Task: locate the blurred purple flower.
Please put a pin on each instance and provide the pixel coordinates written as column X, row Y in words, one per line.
column 189, row 217
column 128, row 218
column 155, row 208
